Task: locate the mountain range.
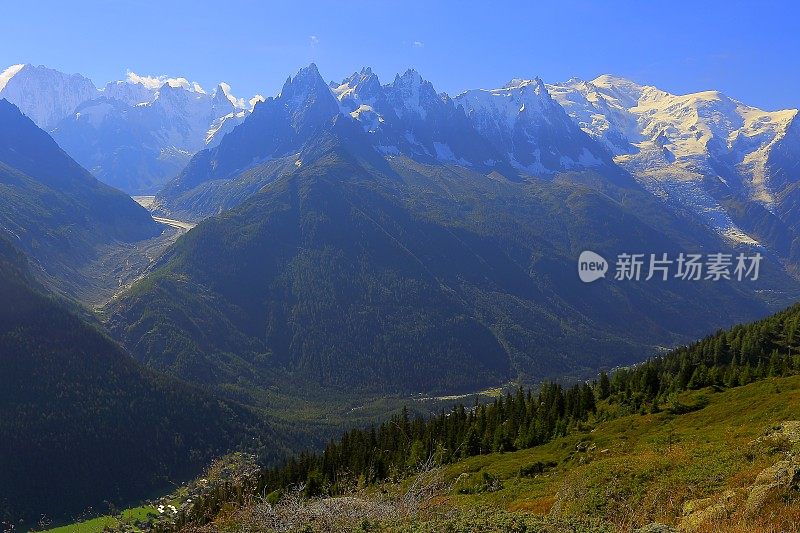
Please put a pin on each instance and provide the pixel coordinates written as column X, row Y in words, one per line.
column 133, row 134
column 516, row 181
column 730, row 165
column 354, row 239
column 359, row 213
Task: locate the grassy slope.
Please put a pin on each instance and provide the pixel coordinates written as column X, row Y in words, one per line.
column 624, row 472
column 641, row 468
column 127, row 518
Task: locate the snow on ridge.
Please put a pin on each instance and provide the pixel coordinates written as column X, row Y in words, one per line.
column 9, row 73
column 238, row 103
column 222, row 126
column 631, row 119
column 45, row 95
column 156, row 83
column 408, row 91
column 508, row 102
column 672, row 143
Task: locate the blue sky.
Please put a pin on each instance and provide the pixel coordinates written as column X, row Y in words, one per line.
column 747, row 50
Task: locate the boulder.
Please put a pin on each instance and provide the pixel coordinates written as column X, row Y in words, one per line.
column 698, row 514
column 778, row 478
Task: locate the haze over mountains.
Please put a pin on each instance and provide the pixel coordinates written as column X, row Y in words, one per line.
column 358, row 239
column 695, row 172
column 734, row 166
column 55, row 210
column 133, row 134
column 82, row 422
column 325, row 182
column 730, row 164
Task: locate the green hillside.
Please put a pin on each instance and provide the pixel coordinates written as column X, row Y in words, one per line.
column 696, row 471
column 56, row 211
column 705, row 438
column 359, row 274
column 83, row 425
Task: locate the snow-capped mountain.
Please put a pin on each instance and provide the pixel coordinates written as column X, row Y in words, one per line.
column 523, row 122
column 138, row 145
column 133, row 134
column 703, row 151
column 128, row 92
column 408, row 116
column 730, row 165
column 277, row 127
column 44, row 95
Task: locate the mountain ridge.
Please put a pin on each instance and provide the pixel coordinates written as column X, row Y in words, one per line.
column 489, row 260
column 133, row 134
column 54, row 209
column 702, row 151
column 82, row 422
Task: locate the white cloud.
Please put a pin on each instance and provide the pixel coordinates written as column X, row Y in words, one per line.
column 313, row 39
column 148, row 81
column 418, row 44
column 179, row 82
column 155, row 82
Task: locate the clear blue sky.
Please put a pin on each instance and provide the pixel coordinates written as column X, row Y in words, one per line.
column 749, row 50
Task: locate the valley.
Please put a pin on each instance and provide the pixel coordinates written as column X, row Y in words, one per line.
column 148, row 203
column 354, row 305
column 699, row 456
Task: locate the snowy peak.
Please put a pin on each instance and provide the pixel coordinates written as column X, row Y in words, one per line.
column 535, row 85
column 45, row 95
column 137, row 133
column 357, row 79
column 48, row 96
column 411, row 95
column 690, row 150
column 129, row 93
column 307, row 98
column 625, row 91
column 601, row 110
column 408, row 79
column 363, row 98
column 518, row 97
column 9, row 73
column 524, row 122
column 223, row 94
column 360, row 87
column 693, row 131
column 305, row 86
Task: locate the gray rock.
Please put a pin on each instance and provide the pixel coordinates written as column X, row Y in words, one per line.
column 781, row 476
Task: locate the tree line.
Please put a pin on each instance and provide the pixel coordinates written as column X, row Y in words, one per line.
column 523, row 419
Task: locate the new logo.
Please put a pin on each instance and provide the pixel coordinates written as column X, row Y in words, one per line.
column 591, row 266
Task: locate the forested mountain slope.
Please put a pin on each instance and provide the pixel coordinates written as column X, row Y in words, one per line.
column 81, row 423
column 54, row 210
column 703, row 438
column 360, row 271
